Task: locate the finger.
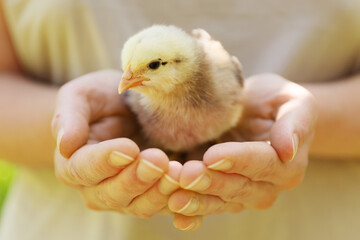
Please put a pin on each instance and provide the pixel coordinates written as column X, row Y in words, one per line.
column 229, row 208
column 294, row 124
column 166, row 212
column 187, row 223
column 256, row 129
column 93, row 163
column 68, row 119
column 92, row 202
column 112, row 127
column 257, row 161
column 233, row 207
column 82, row 101
column 119, row 191
column 182, row 203
column 156, row 198
column 227, row 187
column 189, row 203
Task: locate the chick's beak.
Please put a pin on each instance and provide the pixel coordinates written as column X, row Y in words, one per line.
column 129, row 80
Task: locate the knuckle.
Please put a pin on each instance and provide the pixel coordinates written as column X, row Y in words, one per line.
column 108, row 199
column 99, row 195
column 139, row 214
column 112, row 204
column 133, row 188
column 236, row 208
column 90, row 205
column 219, row 208
column 62, row 178
column 294, row 181
column 265, row 172
column 245, row 188
column 97, row 174
column 233, row 196
column 73, row 174
column 144, row 214
column 155, row 198
column 62, row 175
column 243, row 191
column 88, row 199
column 120, row 193
column 141, row 211
column 266, row 203
column 81, row 176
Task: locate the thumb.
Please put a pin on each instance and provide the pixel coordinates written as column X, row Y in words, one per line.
column 70, row 126
column 81, row 102
column 294, row 124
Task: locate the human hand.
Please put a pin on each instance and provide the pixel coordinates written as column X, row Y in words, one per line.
column 92, row 155
column 279, row 118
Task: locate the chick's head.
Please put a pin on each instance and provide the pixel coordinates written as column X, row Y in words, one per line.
column 157, row 59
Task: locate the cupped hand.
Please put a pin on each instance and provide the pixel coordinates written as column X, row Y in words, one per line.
column 278, row 122
column 90, row 124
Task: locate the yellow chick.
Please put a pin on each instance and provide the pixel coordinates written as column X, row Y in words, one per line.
column 186, row 89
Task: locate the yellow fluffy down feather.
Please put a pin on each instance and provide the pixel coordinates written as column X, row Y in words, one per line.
column 185, row 89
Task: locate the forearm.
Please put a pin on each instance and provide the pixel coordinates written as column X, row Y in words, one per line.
column 26, row 109
column 337, row 133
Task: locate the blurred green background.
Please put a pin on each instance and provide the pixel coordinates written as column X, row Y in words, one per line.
column 7, row 172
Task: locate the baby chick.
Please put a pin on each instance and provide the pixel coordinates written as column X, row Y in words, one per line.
column 187, row 89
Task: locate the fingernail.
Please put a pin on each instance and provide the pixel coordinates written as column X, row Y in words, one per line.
column 222, row 165
column 190, row 207
column 199, row 184
column 147, row 171
column 166, row 211
column 193, row 225
column 119, row 159
column 188, row 228
column 59, row 137
column 295, row 143
column 167, row 185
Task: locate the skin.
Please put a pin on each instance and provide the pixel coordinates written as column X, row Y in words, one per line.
column 86, row 161
column 252, row 174
column 94, row 174
column 30, row 113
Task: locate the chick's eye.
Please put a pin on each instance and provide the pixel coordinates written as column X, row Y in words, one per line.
column 154, row 65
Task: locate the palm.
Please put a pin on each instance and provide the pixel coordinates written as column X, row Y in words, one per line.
column 262, row 101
